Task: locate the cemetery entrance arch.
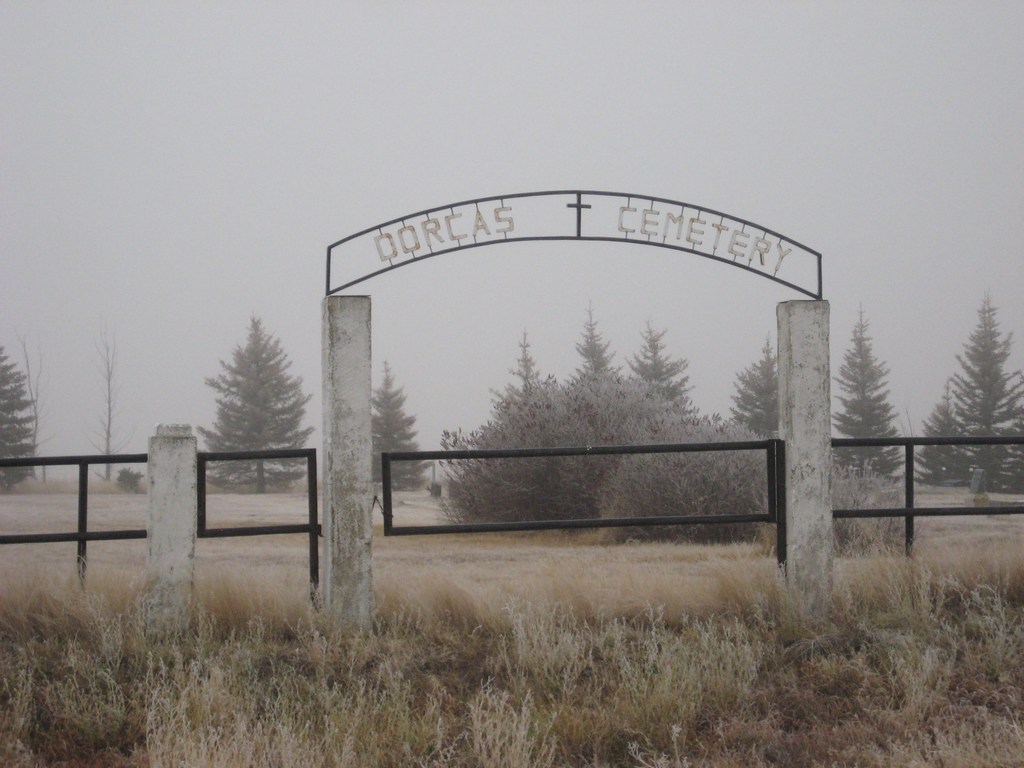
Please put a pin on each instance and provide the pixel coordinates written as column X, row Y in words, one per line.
column 567, row 215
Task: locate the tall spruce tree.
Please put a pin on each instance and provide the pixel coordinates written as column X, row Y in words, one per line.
column 653, row 366
column 757, row 394
column 866, row 410
column 937, row 464
column 259, row 407
column 15, row 422
column 988, row 397
column 526, row 376
column 597, row 359
column 393, row 431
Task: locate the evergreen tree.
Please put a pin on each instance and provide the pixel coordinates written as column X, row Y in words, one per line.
column 592, row 347
column 938, row 463
column 988, row 397
column 15, row 422
column 866, row 410
column 259, row 407
column 653, row 366
column 757, row 394
column 393, row 431
column 527, row 377
column 35, row 383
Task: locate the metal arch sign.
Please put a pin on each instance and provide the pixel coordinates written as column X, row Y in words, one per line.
column 575, row 214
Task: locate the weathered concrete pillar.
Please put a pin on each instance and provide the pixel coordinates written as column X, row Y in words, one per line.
column 347, row 476
column 805, row 423
column 171, row 527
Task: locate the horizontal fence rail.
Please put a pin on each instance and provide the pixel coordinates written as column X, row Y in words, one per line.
column 83, row 535
column 909, row 511
column 775, row 458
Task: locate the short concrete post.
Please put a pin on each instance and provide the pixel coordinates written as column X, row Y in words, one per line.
column 805, row 423
column 171, row 527
column 348, row 474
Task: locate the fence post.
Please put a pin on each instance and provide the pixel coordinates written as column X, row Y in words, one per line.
column 83, row 518
column 171, row 527
column 908, row 499
column 805, row 423
column 347, row 476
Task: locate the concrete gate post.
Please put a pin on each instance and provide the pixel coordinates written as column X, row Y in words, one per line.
column 171, row 527
column 347, row 475
column 805, row 423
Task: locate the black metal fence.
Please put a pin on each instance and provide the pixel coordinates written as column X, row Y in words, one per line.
column 83, row 535
column 775, row 461
column 908, row 444
column 775, row 464
column 774, row 451
column 311, row 528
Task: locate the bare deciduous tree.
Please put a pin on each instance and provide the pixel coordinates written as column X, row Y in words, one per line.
column 107, row 439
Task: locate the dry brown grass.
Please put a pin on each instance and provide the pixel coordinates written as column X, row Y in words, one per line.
column 595, row 655
column 529, row 649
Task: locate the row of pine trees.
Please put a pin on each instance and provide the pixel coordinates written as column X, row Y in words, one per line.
column 260, row 405
column 984, row 397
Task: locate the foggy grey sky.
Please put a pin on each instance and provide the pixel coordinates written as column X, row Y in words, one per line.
column 168, row 169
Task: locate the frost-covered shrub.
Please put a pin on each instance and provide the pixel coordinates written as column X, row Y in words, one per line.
column 601, row 410
column 865, row 490
column 706, row 483
column 548, row 414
